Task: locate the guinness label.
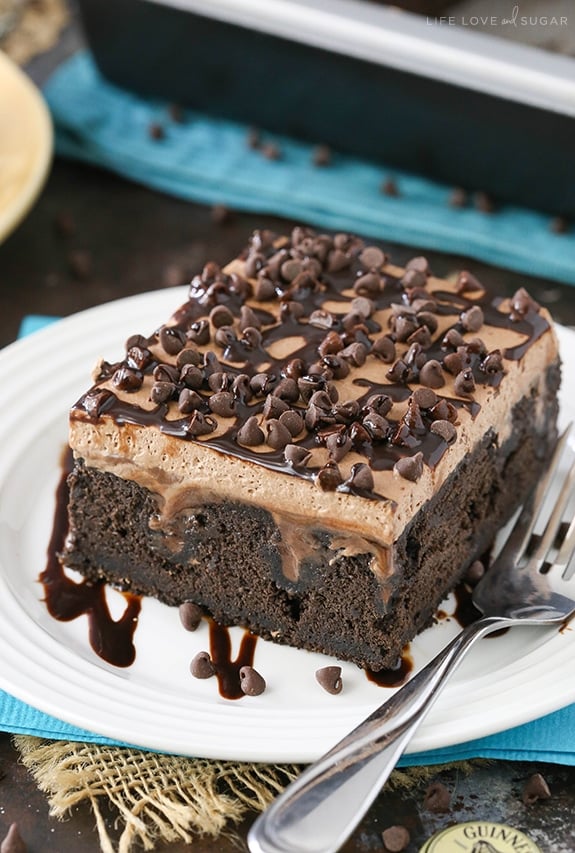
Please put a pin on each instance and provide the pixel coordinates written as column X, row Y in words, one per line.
column 479, row 836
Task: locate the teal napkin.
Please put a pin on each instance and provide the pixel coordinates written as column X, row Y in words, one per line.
column 207, row 160
column 548, row 739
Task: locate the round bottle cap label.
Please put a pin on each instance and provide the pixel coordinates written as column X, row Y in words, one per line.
column 479, row 836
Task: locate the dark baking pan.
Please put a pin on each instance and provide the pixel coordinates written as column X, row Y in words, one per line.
column 468, row 109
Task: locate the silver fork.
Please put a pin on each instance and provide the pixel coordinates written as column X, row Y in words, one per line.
column 524, row 586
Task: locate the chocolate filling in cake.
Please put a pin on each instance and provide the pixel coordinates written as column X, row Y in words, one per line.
column 316, row 446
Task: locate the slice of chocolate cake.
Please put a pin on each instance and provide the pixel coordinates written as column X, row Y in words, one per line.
column 316, row 445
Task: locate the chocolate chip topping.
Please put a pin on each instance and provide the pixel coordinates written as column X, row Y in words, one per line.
column 329, row 677
column 437, row 798
column 202, row 666
column 536, row 788
column 190, row 615
column 395, row 838
column 410, row 467
column 251, row 681
column 252, row 364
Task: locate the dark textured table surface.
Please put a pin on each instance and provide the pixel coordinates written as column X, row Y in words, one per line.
column 93, row 237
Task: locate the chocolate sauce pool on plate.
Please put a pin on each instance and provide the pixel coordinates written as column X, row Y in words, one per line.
column 67, row 599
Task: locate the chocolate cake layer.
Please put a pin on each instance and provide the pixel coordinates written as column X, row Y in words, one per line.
column 316, row 445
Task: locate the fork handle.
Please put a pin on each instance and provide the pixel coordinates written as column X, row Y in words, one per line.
column 318, row 812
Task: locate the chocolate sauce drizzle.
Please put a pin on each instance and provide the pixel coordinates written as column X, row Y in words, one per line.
column 312, row 305
column 67, row 600
column 228, row 669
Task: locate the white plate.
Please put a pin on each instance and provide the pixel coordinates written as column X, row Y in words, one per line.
column 156, row 703
column 25, row 144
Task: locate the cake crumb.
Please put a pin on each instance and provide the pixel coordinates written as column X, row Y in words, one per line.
column 389, row 187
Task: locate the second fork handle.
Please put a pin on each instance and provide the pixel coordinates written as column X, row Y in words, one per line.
column 318, row 812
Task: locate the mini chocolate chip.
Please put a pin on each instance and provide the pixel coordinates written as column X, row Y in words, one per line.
column 136, row 341
column 444, row 411
column 474, row 573
column 477, row 346
column 464, row 383
column 428, row 320
column 264, row 289
column 522, row 303
column 361, row 477
column 413, row 278
column 329, row 477
column 251, row 337
column 380, row 403
column 372, row 258
column 248, row 318
column 13, row 842
column 225, row 336
column 188, row 356
column 457, row 197
column 255, row 262
column 251, row 681
column 211, row 364
column 376, row 425
column 338, row 445
column 221, row 316
column 200, row 424
column 404, row 326
column 389, row 187
column 425, row 398
column 189, row 401
column 287, row 389
column 202, row 666
column 127, row 380
column 559, row 225
column 536, row 788
column 190, row 615
column 95, row 401
column 346, row 411
column 321, row 399
column 291, row 310
column 412, row 418
column 421, row 336
column 274, row 407
column 290, row 269
column 368, row 284
column 161, row 392
column 453, row 339
column 262, row 383
column 199, row 332
column 223, row 403
column 64, row 224
column 337, row 260
column 472, row 319
column 138, row 357
column 331, row 344
column 454, row 362
column 296, row 455
column 166, row 373
column 444, row 429
column 293, row 421
column 329, row 677
column 250, row 434
column 191, row 376
column 323, row 319
column 493, row 362
column 384, row 349
column 355, row 353
column 363, row 306
column 467, row 283
column 437, row 798
column 172, row 340
column 294, row 369
column 219, row 380
column 278, row 435
column 410, row 467
column 420, row 264
column 321, row 155
column 395, row 838
column 241, row 388
column 399, row 372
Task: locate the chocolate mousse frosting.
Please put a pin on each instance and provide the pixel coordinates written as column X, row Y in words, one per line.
column 314, row 383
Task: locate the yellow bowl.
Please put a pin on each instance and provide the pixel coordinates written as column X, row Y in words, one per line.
column 26, row 143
